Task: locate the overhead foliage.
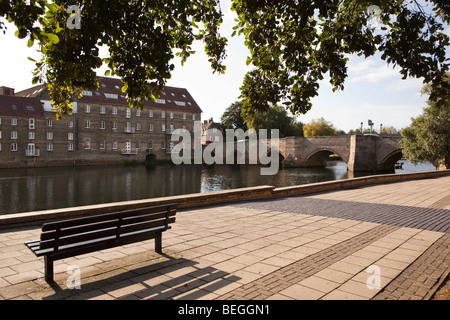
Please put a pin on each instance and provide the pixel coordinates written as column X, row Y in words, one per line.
column 142, row 38
column 293, row 44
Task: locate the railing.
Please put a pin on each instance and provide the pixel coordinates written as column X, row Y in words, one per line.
column 32, row 153
column 129, row 151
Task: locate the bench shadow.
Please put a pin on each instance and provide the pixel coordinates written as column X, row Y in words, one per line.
column 137, row 284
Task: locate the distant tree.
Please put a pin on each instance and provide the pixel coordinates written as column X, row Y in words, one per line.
column 319, row 127
column 428, row 136
column 276, row 117
column 389, row 130
column 232, row 117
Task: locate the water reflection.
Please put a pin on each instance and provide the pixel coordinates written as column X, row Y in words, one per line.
column 23, row 190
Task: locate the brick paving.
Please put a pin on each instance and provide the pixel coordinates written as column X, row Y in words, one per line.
column 378, row 242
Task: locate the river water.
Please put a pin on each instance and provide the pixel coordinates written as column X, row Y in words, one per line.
column 35, row 189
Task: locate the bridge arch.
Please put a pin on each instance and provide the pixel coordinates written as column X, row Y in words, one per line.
column 319, row 157
column 389, row 161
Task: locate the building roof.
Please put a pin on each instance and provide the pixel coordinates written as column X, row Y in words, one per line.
column 110, row 92
column 14, row 106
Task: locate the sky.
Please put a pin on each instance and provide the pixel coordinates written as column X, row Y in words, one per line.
column 373, row 89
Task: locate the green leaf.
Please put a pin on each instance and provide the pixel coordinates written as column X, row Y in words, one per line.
column 30, row 43
column 107, row 73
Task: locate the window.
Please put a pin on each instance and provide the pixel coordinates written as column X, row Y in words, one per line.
column 87, row 144
column 87, row 124
column 29, row 108
column 128, row 113
column 13, row 147
column 173, row 94
column 138, row 145
column 111, row 96
column 70, row 136
column 114, row 145
column 171, row 128
column 163, row 145
column 180, row 103
column 87, row 108
column 70, row 124
column 49, row 135
column 150, row 145
column 31, row 135
column 102, row 145
column 150, row 113
column 70, row 147
column 50, row 146
column 103, row 85
column 49, row 123
column 138, row 112
column 163, row 114
column 163, row 127
column 171, row 115
column 14, row 121
column 31, row 124
column 184, row 116
column 14, row 107
column 13, row 135
column 0, row 134
column 0, row 121
column 0, row 147
column 138, row 126
column 102, row 110
column 114, row 110
column 150, row 127
column 86, row 93
column 114, row 127
column 193, row 116
column 160, row 101
column 102, row 125
column 184, row 128
column 117, row 87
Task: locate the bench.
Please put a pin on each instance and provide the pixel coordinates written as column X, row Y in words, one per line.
column 76, row 236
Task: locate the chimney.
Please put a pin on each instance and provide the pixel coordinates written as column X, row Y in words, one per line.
column 6, row 91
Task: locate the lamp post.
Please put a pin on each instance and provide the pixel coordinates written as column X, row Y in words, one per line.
column 361, row 127
column 381, row 128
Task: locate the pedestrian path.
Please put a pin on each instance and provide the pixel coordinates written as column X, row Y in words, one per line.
column 389, row 241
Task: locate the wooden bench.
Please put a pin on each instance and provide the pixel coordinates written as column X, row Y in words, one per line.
column 72, row 237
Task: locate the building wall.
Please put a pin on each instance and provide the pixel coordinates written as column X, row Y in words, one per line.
column 96, row 133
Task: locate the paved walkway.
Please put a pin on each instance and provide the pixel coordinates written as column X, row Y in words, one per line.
column 388, row 241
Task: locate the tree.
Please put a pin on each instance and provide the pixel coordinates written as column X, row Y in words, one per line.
column 142, row 38
column 275, row 117
column 428, row 136
column 293, row 43
column 319, row 127
column 232, row 117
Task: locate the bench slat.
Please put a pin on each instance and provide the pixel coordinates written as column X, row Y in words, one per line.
column 75, row 229
column 99, row 244
column 104, row 217
column 98, row 234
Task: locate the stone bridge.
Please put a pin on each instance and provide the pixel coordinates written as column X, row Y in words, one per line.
column 360, row 152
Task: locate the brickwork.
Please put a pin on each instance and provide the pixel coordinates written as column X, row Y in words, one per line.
column 421, row 278
column 283, row 278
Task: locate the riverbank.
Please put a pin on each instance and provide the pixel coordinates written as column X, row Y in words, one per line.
column 376, row 241
column 214, row 198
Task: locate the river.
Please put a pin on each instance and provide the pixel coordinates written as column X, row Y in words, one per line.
column 35, row 189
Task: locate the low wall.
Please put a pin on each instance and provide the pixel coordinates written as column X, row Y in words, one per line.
column 213, row 198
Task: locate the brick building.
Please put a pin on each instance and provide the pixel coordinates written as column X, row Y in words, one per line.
column 101, row 129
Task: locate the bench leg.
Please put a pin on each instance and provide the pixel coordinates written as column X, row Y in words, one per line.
column 158, row 243
column 48, row 262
